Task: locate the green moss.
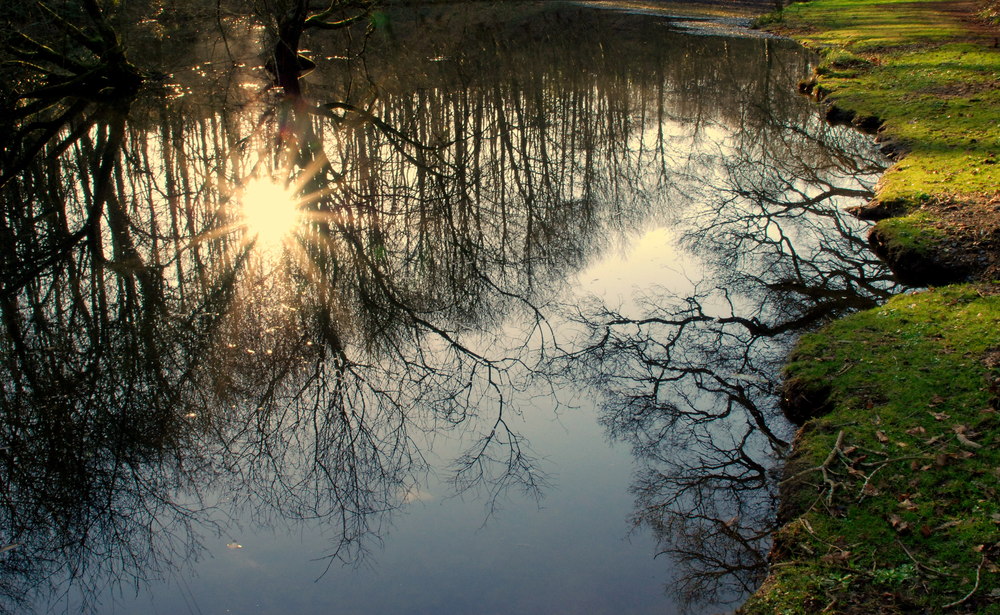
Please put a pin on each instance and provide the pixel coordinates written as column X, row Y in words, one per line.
column 911, row 64
column 839, row 62
column 871, row 23
column 911, row 234
column 905, row 515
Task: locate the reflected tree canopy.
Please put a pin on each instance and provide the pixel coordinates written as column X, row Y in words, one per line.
column 691, row 380
column 167, row 364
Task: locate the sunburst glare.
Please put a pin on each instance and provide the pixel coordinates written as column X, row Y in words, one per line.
column 270, row 211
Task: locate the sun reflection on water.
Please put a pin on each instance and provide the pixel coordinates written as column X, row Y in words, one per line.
column 271, row 213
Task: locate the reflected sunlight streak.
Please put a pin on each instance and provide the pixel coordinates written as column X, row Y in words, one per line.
column 271, row 212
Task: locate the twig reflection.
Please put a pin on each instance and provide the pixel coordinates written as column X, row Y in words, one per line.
column 690, row 380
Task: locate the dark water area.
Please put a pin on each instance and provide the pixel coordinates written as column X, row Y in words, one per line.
column 488, row 318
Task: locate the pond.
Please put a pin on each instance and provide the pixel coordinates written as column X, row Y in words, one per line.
column 487, row 317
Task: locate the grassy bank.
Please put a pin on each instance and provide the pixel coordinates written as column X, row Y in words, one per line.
column 890, row 500
column 926, row 75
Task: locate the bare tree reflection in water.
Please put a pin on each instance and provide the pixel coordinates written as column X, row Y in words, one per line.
column 690, row 380
column 160, row 373
column 143, row 380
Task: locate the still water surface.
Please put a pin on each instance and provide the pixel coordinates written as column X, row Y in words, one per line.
column 487, row 318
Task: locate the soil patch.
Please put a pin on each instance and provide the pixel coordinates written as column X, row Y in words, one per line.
column 972, row 234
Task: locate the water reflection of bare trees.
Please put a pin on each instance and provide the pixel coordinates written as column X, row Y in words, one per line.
column 160, row 371
column 287, row 20
column 691, row 378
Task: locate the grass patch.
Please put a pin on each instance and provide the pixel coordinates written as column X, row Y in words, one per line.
column 843, row 59
column 916, row 66
column 892, row 503
column 913, row 234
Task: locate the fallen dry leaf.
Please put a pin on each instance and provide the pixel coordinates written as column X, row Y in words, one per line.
column 946, row 525
column 881, row 436
column 898, row 524
column 967, row 442
column 940, row 416
column 916, row 431
column 836, row 557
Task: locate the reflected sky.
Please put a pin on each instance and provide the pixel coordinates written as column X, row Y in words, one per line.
column 542, row 265
column 569, row 553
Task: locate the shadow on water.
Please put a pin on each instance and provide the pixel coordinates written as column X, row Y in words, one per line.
column 172, row 361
